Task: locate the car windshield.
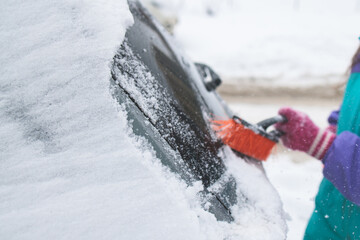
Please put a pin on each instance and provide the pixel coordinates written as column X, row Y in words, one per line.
column 167, row 97
column 171, row 94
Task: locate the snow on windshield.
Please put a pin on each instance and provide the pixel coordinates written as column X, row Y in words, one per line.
column 70, row 167
column 155, row 100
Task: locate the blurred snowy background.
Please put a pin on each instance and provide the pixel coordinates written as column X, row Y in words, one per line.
column 268, row 43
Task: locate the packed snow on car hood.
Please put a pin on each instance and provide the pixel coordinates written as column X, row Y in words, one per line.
column 70, row 166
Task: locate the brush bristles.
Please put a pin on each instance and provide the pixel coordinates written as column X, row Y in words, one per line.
column 243, row 139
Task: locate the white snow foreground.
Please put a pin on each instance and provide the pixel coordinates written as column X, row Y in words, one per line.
column 70, row 167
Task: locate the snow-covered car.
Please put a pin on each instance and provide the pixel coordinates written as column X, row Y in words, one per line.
column 135, row 160
column 169, row 101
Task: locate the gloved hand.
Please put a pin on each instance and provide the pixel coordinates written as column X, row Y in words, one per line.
column 300, row 133
column 331, row 128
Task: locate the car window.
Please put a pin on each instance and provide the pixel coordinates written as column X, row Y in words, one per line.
column 148, row 70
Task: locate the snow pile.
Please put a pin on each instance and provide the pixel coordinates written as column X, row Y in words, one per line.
column 259, row 213
column 297, row 183
column 68, row 168
column 299, row 42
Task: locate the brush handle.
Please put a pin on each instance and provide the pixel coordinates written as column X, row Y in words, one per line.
column 271, row 121
column 274, row 134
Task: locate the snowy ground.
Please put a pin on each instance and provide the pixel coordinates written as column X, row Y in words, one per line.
column 295, row 175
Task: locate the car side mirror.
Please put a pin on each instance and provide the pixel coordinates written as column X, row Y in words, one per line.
column 210, row 78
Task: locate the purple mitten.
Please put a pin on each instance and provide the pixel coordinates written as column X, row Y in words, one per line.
column 333, row 120
column 300, row 133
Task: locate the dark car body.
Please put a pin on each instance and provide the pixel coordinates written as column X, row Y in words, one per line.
column 169, row 101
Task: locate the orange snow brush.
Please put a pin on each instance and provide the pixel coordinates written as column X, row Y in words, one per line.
column 247, row 139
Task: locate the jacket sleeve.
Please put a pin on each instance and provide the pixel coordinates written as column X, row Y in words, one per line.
column 342, row 165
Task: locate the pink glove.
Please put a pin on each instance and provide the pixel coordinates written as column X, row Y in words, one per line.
column 300, row 133
column 332, row 128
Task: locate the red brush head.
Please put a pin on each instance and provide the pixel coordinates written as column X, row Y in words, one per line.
column 243, row 139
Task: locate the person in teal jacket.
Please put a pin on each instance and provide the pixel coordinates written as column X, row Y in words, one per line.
column 337, row 204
